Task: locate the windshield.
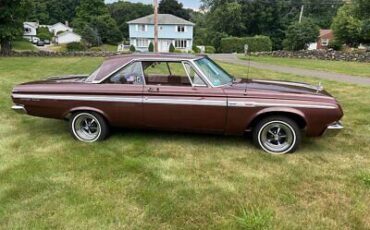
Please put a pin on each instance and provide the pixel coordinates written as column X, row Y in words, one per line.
column 215, row 74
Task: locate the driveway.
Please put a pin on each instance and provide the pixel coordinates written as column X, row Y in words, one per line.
column 232, row 58
column 44, row 48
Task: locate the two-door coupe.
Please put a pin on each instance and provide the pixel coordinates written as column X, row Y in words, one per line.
column 181, row 93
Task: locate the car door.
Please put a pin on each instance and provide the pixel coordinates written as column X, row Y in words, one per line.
column 124, row 90
column 175, row 101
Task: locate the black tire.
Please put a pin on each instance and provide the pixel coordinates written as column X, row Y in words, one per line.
column 96, row 130
column 277, row 135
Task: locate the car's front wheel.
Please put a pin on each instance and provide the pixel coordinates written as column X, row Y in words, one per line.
column 88, row 127
column 277, row 135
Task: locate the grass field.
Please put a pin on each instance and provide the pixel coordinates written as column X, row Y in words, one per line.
column 350, row 68
column 159, row 180
column 23, row 45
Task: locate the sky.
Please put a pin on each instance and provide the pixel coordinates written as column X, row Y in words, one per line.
column 194, row 4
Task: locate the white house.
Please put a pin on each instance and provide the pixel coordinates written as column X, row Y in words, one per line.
column 30, row 30
column 67, row 37
column 172, row 29
column 59, row 27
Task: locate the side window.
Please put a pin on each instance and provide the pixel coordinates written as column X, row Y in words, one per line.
column 194, row 77
column 129, row 75
column 166, row 73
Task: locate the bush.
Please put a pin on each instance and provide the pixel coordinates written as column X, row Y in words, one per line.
column 132, row 48
column 196, row 50
column 256, row 44
column 172, row 48
column 335, row 45
column 210, row 50
column 96, row 49
column 44, row 34
column 151, row 47
column 178, row 51
column 76, row 46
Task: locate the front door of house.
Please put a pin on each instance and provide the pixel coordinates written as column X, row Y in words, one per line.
column 164, row 45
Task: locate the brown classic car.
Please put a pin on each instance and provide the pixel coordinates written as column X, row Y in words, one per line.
column 181, row 93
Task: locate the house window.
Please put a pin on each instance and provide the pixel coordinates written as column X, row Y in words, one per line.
column 142, row 42
column 142, row 28
column 181, row 29
column 27, row 30
column 181, row 44
column 325, row 42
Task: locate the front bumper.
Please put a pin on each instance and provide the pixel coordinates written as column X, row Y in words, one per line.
column 19, row 109
column 334, row 128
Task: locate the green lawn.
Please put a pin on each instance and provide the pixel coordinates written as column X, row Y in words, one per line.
column 159, row 180
column 23, row 45
column 350, row 68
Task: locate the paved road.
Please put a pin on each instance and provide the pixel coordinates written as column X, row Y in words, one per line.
column 231, row 58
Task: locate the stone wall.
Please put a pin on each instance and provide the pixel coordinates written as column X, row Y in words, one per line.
column 319, row 54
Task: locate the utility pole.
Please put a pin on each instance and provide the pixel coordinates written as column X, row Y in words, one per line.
column 156, row 26
column 301, row 14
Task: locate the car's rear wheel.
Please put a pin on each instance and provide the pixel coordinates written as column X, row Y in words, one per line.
column 88, row 127
column 277, row 135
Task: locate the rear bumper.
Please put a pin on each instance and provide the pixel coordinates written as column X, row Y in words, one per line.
column 19, row 109
column 334, row 128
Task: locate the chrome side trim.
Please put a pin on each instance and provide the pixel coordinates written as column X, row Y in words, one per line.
column 179, row 101
column 279, row 104
column 19, row 109
column 133, row 99
column 185, row 102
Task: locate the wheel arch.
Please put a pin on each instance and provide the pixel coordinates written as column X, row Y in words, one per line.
column 293, row 114
column 69, row 113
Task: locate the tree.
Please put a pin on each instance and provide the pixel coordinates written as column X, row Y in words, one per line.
column 44, row 34
column 12, row 15
column 299, row 35
column 123, row 11
column 91, row 36
column 346, row 27
column 173, row 7
column 94, row 13
column 172, row 48
column 151, row 47
column 132, row 48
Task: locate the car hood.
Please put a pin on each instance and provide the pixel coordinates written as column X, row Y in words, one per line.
column 279, row 87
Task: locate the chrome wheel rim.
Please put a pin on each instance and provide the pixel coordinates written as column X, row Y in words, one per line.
column 277, row 137
column 86, row 127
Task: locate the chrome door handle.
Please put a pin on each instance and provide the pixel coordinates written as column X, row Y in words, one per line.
column 153, row 90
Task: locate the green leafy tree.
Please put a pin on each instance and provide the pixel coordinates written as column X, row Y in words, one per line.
column 172, row 48
column 123, row 11
column 94, row 13
column 346, row 27
column 151, row 47
column 91, row 36
column 12, row 15
column 44, row 34
column 132, row 48
column 299, row 35
column 173, row 7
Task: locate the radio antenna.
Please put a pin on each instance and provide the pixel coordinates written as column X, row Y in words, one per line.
column 249, row 59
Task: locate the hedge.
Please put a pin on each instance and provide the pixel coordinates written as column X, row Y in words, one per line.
column 76, row 46
column 256, row 44
column 210, row 50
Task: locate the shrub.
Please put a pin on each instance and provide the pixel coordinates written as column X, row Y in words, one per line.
column 210, row 50
column 132, row 48
column 196, row 50
column 335, row 45
column 151, row 47
column 96, row 49
column 178, row 51
column 256, row 44
column 76, row 46
column 44, row 34
column 172, row 48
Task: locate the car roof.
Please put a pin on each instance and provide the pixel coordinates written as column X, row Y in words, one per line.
column 113, row 64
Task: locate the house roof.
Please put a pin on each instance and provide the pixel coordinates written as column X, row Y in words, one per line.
column 59, row 23
column 32, row 24
column 324, row 32
column 163, row 19
column 67, row 32
column 115, row 63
